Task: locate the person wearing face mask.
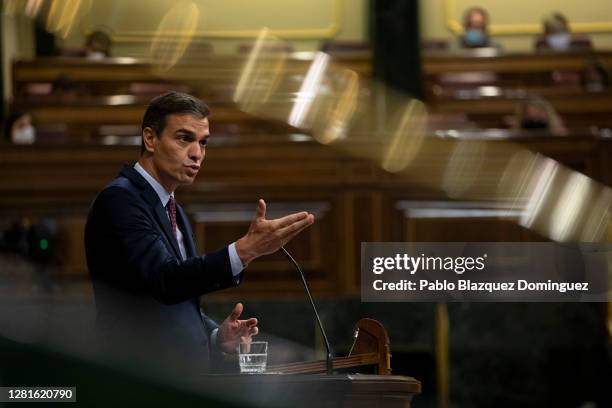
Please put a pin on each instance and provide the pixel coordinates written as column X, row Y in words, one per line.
column 535, row 113
column 97, row 46
column 558, row 37
column 475, row 34
column 18, row 128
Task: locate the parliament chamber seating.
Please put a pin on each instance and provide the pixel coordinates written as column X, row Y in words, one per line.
column 486, row 86
column 83, row 143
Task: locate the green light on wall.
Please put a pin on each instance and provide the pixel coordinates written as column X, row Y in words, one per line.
column 44, row 244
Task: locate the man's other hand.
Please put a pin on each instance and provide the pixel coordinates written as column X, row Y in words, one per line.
column 234, row 331
column 267, row 236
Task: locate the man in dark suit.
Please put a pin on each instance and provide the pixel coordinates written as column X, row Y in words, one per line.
column 146, row 273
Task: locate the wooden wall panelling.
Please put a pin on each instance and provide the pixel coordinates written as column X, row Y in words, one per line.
column 71, row 231
column 315, row 249
column 363, row 223
column 460, row 222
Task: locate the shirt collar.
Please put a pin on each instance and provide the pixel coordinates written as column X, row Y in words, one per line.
column 163, row 195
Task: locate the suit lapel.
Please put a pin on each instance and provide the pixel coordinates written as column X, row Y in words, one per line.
column 152, row 198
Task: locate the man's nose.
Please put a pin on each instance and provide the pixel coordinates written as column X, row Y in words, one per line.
column 196, row 152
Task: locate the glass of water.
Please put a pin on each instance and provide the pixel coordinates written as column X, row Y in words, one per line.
column 253, row 357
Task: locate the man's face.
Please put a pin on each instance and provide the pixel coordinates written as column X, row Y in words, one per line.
column 179, row 150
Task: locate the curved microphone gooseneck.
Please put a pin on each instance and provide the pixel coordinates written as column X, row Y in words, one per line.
column 314, row 308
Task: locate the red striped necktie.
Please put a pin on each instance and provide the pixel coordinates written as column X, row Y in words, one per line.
column 171, row 208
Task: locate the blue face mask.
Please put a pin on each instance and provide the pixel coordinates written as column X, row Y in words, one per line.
column 475, row 38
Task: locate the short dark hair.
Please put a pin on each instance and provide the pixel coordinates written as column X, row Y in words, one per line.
column 169, row 103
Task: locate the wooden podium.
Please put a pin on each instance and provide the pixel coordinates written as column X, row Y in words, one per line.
column 303, row 384
column 370, row 348
column 314, row 390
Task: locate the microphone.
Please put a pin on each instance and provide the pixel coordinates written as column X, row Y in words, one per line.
column 328, row 360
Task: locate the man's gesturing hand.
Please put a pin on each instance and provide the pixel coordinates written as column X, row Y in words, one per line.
column 267, row 236
column 233, row 331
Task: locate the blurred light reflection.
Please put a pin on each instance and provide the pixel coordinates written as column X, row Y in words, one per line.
column 464, row 167
column 598, row 216
column 569, row 207
column 64, row 15
column 32, row 8
column 406, row 135
column 369, row 120
column 337, row 106
column 174, row 33
column 261, row 75
column 539, row 186
column 309, row 90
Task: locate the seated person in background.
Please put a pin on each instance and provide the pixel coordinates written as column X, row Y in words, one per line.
column 557, row 36
column 595, row 77
column 536, row 113
column 97, row 45
column 18, row 128
column 475, row 34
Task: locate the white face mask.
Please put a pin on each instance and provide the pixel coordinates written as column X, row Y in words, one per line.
column 24, row 135
column 559, row 41
column 95, row 55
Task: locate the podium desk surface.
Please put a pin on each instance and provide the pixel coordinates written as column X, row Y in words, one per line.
column 339, row 390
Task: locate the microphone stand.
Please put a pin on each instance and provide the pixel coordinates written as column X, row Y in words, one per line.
column 314, row 308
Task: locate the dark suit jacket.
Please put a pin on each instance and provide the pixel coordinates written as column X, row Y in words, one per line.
column 146, row 295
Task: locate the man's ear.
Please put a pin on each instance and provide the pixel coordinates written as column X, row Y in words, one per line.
column 148, row 137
